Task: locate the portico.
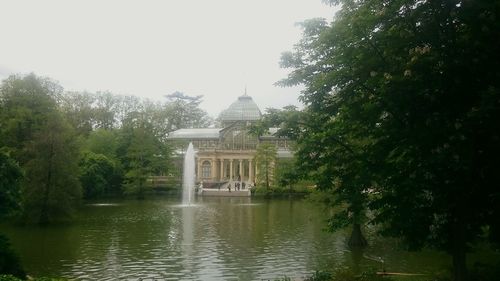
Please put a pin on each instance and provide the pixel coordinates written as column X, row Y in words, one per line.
column 225, row 166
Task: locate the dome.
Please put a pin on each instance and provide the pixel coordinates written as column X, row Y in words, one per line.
column 244, row 109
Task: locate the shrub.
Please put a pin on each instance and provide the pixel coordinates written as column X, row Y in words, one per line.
column 9, row 262
column 345, row 274
column 320, row 276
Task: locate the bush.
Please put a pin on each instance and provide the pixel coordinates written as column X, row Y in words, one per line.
column 345, row 274
column 280, row 191
column 485, row 272
column 9, row 278
column 99, row 176
column 13, row 278
column 9, row 262
column 320, row 276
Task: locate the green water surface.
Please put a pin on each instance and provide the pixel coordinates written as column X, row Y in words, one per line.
column 214, row 239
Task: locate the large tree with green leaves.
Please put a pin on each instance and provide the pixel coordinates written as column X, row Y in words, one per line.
column 43, row 143
column 26, row 102
column 327, row 153
column 102, row 141
column 144, row 154
column 51, row 190
column 10, row 178
column 184, row 112
column 408, row 91
column 99, row 176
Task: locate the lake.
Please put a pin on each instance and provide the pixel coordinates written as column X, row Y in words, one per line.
column 214, row 239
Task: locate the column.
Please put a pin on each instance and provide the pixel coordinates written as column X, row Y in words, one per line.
column 221, row 168
column 256, row 171
column 230, row 169
column 198, row 161
column 250, row 171
column 240, row 170
column 214, row 169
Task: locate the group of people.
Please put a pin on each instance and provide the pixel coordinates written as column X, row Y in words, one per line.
column 238, row 185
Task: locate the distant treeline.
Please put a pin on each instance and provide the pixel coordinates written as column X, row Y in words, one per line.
column 57, row 147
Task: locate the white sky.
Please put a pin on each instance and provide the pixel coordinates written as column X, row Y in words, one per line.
column 151, row 48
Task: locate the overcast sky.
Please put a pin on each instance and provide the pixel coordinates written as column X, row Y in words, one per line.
column 151, row 48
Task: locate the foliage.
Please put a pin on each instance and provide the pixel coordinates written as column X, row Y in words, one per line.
column 478, row 272
column 327, row 153
column 283, row 167
column 12, row 278
column 483, row 272
column 51, row 190
column 44, row 145
column 9, row 278
column 402, row 101
column 26, row 103
column 275, row 191
column 265, row 160
column 9, row 262
column 103, row 110
column 320, row 276
column 102, row 141
column 36, row 114
column 342, row 274
column 288, row 120
column 101, row 171
column 345, row 274
column 99, row 176
column 184, row 112
column 145, row 155
column 10, row 175
column 78, row 110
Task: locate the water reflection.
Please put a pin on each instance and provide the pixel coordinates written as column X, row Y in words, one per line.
column 215, row 239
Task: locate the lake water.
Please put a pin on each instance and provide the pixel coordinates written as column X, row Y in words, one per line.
column 216, row 239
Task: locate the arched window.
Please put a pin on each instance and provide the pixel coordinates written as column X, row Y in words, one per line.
column 206, row 169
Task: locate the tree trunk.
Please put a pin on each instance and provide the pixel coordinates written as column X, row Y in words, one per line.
column 357, row 240
column 458, row 252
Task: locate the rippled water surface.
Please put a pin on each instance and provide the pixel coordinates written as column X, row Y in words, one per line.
column 214, row 239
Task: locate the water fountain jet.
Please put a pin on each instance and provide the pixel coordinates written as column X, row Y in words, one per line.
column 188, row 176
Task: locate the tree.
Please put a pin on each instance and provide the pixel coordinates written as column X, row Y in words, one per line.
column 289, row 121
column 10, row 177
column 184, row 112
column 78, row 110
column 102, row 141
column 146, row 155
column 327, row 153
column 26, row 101
column 265, row 160
column 412, row 88
column 99, row 176
column 51, row 190
column 43, row 143
column 105, row 110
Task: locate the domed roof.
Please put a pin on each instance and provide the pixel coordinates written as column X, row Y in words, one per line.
column 244, row 109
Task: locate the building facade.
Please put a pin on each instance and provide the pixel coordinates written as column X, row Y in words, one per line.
column 226, row 154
